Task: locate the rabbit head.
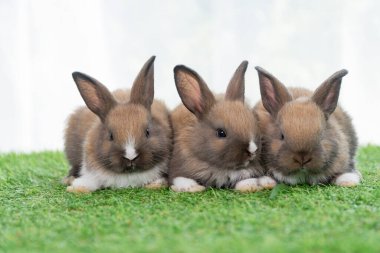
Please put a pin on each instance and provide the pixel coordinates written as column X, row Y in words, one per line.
column 226, row 133
column 128, row 138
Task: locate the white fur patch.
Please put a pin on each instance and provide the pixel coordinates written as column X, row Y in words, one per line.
column 97, row 178
column 252, row 147
column 183, row 184
column 130, row 150
column 248, row 185
column 348, row 179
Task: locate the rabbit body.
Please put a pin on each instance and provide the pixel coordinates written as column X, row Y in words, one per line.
column 119, row 140
column 308, row 137
column 216, row 139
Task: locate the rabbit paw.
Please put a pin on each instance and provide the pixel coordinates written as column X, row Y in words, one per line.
column 157, row 184
column 78, row 189
column 267, row 182
column 83, row 185
column 349, row 179
column 182, row 184
column 248, row 185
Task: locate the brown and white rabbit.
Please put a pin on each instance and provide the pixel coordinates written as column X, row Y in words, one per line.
column 216, row 140
column 308, row 138
column 121, row 140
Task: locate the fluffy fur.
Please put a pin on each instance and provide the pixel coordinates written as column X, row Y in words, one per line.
column 121, row 139
column 213, row 137
column 308, row 138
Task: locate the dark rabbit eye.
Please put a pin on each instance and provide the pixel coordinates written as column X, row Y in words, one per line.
column 110, row 136
column 147, row 133
column 282, row 136
column 221, row 133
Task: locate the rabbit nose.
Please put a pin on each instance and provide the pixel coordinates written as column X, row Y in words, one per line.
column 131, row 158
column 302, row 158
column 131, row 153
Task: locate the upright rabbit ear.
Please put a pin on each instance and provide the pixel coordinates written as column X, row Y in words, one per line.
column 194, row 93
column 143, row 87
column 327, row 94
column 96, row 96
column 236, row 87
column 273, row 93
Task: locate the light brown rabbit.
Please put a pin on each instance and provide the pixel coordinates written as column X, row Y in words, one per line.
column 121, row 140
column 307, row 137
column 216, row 141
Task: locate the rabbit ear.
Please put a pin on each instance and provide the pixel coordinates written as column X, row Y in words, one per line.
column 143, row 87
column 236, row 87
column 327, row 94
column 96, row 96
column 194, row 93
column 273, row 93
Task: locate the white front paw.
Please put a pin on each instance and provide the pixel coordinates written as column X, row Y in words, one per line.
column 267, row 182
column 157, row 184
column 82, row 185
column 183, row 184
column 248, row 185
column 78, row 189
column 348, row 179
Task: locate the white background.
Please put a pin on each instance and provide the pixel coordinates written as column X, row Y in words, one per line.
column 301, row 42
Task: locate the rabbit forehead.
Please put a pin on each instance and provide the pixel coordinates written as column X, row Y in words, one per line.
column 234, row 116
column 128, row 120
column 302, row 122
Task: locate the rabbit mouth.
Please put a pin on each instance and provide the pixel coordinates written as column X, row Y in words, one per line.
column 304, row 171
column 299, row 170
column 132, row 167
column 128, row 166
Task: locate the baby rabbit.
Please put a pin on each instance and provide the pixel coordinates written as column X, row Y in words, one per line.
column 216, row 140
column 121, row 140
column 308, row 137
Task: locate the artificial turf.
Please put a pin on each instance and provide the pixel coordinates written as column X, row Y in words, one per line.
column 38, row 215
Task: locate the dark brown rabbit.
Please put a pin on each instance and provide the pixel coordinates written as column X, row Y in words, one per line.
column 119, row 140
column 308, row 137
column 216, row 140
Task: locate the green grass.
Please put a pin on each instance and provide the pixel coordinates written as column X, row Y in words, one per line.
column 37, row 215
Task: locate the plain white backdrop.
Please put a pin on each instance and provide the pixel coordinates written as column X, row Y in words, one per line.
column 301, row 42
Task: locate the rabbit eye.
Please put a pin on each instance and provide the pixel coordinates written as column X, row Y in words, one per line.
column 282, row 137
column 110, row 136
column 221, row 133
column 147, row 133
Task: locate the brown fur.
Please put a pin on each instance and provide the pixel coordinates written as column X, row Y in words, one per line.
column 88, row 133
column 308, row 138
column 199, row 153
